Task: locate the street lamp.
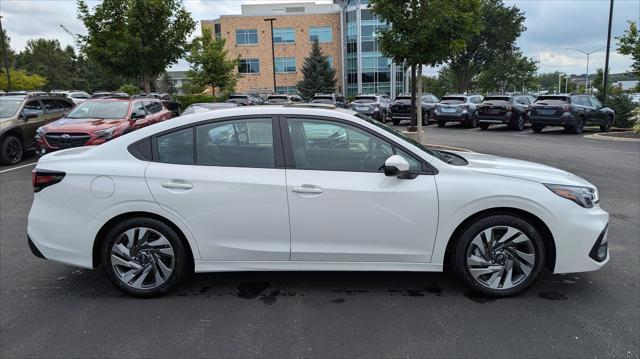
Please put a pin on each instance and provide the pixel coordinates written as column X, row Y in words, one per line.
column 586, row 80
column 273, row 54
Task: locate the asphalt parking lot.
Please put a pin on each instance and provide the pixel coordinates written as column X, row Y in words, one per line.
column 55, row 311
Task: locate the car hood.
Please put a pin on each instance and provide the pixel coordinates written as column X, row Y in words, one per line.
column 526, row 170
column 82, row 125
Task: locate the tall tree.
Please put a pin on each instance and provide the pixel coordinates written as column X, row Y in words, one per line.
column 136, row 38
column 11, row 55
column 318, row 75
column 425, row 32
column 210, row 64
column 511, row 71
column 48, row 59
column 629, row 44
column 501, row 27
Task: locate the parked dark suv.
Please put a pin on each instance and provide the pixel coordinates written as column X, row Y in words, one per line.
column 245, row 100
column 374, row 105
column 504, row 109
column 458, row 108
column 572, row 112
column 330, row 98
column 282, row 99
column 400, row 108
column 174, row 106
column 21, row 115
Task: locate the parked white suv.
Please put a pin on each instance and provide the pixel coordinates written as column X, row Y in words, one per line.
column 295, row 188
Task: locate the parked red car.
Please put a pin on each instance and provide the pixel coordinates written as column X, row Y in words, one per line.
column 96, row 121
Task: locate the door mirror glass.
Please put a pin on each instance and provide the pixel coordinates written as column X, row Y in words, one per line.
column 397, row 166
column 29, row 115
column 138, row 114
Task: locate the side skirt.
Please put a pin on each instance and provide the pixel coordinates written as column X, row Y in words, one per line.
column 240, row 266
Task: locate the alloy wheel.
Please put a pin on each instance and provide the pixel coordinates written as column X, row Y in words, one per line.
column 142, row 258
column 13, row 150
column 500, row 257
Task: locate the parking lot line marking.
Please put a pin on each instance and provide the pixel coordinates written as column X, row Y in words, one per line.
column 18, row 167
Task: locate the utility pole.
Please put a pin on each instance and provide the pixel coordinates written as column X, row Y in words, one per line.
column 5, row 59
column 566, row 83
column 606, row 61
column 273, row 54
column 586, row 79
column 559, row 82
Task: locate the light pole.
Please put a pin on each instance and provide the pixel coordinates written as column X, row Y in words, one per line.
column 5, row 58
column 559, row 82
column 566, row 83
column 606, row 61
column 273, row 54
column 586, row 79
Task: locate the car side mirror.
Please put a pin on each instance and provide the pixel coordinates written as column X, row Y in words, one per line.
column 137, row 114
column 397, row 166
column 29, row 115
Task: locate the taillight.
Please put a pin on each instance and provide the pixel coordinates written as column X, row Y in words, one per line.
column 566, row 107
column 509, row 107
column 42, row 178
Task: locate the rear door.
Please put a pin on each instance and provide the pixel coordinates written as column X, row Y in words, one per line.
column 225, row 180
column 343, row 208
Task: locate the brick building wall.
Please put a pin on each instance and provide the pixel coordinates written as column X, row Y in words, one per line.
column 301, row 23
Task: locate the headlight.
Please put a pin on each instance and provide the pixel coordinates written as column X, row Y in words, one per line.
column 583, row 196
column 105, row 133
column 40, row 131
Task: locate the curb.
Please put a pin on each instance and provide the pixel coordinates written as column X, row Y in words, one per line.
column 598, row 136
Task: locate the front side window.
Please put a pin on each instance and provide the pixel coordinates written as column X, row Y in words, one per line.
column 152, row 106
column 285, row 64
column 249, row 66
column 240, row 143
column 333, row 146
column 284, row 35
column 320, row 34
column 594, row 102
column 176, row 147
column 247, row 37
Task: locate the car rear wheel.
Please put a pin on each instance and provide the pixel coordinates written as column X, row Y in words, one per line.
column 484, row 126
column 395, row 121
column 518, row 123
column 11, row 150
column 499, row 255
column 577, row 128
column 537, row 128
column 606, row 127
column 471, row 121
column 144, row 257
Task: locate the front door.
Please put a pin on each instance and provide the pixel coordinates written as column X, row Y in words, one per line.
column 221, row 178
column 343, row 208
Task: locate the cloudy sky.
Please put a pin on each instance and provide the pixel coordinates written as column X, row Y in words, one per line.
column 552, row 26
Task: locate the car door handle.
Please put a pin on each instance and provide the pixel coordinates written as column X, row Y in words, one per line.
column 176, row 185
column 307, row 189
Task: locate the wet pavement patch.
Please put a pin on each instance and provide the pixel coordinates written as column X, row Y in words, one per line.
column 479, row 298
column 270, row 298
column 431, row 289
column 251, row 290
column 350, row 291
column 552, row 296
column 338, row 300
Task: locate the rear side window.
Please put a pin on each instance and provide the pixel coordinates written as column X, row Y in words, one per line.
column 152, row 106
column 239, row 143
column 66, row 105
column 176, row 147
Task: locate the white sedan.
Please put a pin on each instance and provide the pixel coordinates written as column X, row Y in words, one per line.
column 301, row 188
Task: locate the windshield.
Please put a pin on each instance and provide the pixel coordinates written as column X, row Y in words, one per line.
column 365, row 99
column 397, row 133
column 496, row 98
column 101, row 109
column 453, row 100
column 322, row 100
column 552, row 100
column 9, row 107
column 238, row 99
column 403, row 98
column 277, row 99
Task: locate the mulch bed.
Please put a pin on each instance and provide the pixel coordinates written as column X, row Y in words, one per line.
column 626, row 134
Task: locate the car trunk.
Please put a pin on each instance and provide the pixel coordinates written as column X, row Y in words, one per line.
column 551, row 106
column 494, row 106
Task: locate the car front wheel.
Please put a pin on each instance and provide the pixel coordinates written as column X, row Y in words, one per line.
column 499, row 255
column 606, row 127
column 144, row 257
column 11, row 150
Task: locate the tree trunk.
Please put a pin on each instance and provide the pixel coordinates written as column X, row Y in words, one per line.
column 418, row 107
column 146, row 83
column 412, row 127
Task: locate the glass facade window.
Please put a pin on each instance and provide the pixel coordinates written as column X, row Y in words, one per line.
column 246, row 36
column 249, row 66
column 216, row 30
column 320, row 34
column 289, row 90
column 330, row 60
column 284, row 35
column 285, row 64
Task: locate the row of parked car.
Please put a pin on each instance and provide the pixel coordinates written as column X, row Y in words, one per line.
column 572, row 111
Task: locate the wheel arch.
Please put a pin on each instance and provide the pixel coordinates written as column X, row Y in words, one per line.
column 100, row 236
column 545, row 232
column 13, row 130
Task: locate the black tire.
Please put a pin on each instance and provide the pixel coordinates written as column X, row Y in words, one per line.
column 606, row 127
column 395, row 121
column 517, row 124
column 577, row 128
column 182, row 265
column 471, row 121
column 537, row 128
column 460, row 249
column 11, row 150
column 484, row 126
column 441, row 123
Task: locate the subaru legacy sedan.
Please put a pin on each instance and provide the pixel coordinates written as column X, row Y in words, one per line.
column 297, row 188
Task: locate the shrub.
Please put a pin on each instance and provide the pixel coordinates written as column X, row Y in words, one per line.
column 635, row 117
column 623, row 107
column 129, row 89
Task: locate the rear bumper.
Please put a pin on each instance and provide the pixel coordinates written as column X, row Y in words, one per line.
column 36, row 252
column 565, row 120
column 375, row 114
column 457, row 117
column 497, row 119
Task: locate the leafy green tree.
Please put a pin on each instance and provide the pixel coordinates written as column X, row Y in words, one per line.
column 318, row 75
column 136, row 38
column 210, row 63
column 96, row 77
column 48, row 59
column 21, row 80
column 629, row 44
column 511, row 71
column 441, row 84
column 11, row 55
column 425, row 32
column 129, row 89
column 500, row 28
